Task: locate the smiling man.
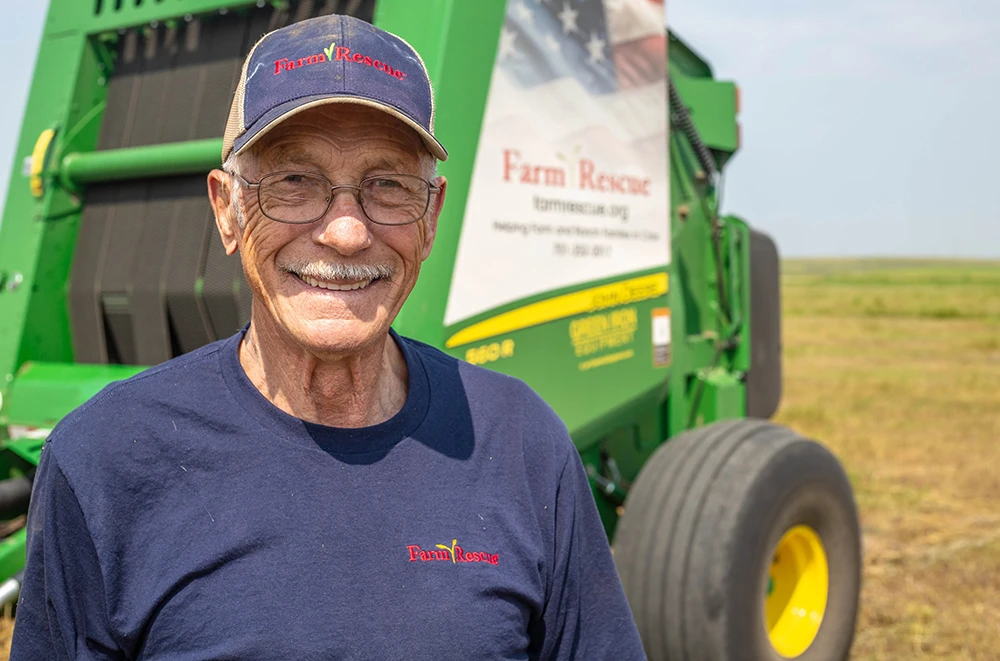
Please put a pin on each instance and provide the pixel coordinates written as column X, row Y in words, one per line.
column 316, row 486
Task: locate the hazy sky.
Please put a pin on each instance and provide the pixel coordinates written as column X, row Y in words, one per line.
column 870, row 127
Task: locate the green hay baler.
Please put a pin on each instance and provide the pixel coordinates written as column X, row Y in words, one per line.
column 580, row 249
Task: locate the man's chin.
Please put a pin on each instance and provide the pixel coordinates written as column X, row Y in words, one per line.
column 336, row 337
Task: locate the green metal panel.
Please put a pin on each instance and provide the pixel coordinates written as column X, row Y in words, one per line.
column 713, row 105
column 42, row 393
column 686, row 60
column 37, row 236
column 12, row 553
column 95, row 16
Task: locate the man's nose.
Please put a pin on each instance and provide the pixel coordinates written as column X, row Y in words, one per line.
column 344, row 227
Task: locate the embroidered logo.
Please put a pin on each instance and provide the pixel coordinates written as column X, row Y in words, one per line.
column 454, row 554
column 335, row 52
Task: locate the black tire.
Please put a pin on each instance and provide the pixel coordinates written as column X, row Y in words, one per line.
column 701, row 524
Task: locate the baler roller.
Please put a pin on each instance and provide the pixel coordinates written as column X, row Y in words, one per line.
column 175, row 158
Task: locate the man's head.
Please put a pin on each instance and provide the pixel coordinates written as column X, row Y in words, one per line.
column 331, row 101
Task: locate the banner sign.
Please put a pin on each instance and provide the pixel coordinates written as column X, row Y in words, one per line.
column 570, row 183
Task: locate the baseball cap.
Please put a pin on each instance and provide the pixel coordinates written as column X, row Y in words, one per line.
column 329, row 59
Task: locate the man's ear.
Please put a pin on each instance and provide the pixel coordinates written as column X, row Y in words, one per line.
column 220, row 192
column 437, row 201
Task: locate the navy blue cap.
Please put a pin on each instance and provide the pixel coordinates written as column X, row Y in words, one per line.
column 330, row 59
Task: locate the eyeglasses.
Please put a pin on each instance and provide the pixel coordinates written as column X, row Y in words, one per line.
column 305, row 197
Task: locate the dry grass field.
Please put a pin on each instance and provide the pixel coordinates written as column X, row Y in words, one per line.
column 895, row 365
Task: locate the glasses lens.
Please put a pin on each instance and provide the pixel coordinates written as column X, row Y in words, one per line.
column 394, row 199
column 294, row 197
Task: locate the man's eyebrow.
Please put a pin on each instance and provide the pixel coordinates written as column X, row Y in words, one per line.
column 386, row 164
column 289, row 154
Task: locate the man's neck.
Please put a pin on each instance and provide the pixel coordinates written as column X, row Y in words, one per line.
column 356, row 390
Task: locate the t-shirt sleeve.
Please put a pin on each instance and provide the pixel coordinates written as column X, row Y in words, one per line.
column 62, row 611
column 586, row 615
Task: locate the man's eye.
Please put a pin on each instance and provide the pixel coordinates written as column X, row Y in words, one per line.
column 293, row 178
column 386, row 183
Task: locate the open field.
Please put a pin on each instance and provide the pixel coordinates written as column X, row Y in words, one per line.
column 895, row 365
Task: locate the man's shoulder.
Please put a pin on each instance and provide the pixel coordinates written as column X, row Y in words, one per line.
column 478, row 383
column 503, row 410
column 145, row 398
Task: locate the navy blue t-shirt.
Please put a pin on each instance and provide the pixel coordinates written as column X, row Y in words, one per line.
column 180, row 515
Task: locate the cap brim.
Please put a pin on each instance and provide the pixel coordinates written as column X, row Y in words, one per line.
column 279, row 113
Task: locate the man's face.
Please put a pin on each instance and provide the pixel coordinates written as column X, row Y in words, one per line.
column 289, row 267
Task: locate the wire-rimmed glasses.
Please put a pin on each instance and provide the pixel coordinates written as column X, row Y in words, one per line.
column 304, row 197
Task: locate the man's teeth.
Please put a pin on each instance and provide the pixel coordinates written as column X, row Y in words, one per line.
column 329, row 285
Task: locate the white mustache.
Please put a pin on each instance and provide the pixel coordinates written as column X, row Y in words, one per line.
column 332, row 271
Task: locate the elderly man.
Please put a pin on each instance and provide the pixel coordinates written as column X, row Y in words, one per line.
column 318, row 487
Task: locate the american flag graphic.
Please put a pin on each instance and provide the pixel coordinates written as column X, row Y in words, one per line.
column 542, row 41
column 565, row 55
column 605, row 48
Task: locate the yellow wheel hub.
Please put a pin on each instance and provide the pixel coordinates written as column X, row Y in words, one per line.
column 799, row 581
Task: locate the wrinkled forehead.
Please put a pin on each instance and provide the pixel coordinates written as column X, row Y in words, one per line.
column 342, row 135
